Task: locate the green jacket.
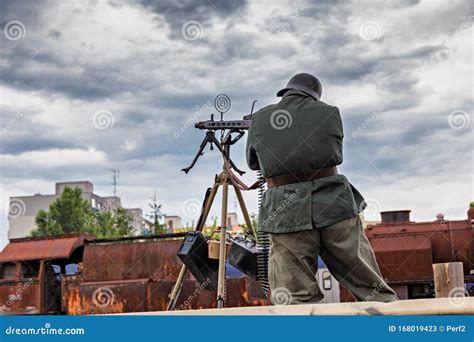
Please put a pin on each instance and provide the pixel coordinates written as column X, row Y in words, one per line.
column 295, row 135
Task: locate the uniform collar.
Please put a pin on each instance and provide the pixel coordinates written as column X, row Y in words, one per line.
column 295, row 92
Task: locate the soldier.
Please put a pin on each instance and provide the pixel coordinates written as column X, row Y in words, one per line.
column 309, row 209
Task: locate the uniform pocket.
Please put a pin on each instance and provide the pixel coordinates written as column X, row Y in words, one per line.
column 286, row 208
column 297, row 204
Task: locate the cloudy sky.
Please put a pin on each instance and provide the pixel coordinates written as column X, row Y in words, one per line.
column 92, row 85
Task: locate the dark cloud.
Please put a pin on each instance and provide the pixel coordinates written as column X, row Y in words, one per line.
column 178, row 12
column 403, row 3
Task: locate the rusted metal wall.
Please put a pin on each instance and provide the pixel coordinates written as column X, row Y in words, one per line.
column 110, row 261
column 414, row 247
column 20, row 297
column 405, row 252
column 137, row 276
column 144, row 295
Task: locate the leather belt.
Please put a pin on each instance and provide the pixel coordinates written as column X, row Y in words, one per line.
column 301, row 176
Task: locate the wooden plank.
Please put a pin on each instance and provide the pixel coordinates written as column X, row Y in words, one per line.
column 438, row 306
column 448, row 279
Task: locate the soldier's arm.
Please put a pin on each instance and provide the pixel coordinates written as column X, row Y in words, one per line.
column 252, row 159
column 339, row 132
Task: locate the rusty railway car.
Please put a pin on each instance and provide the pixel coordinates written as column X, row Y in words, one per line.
column 79, row 274
column 406, row 251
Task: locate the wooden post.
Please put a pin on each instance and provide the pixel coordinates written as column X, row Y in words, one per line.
column 448, row 279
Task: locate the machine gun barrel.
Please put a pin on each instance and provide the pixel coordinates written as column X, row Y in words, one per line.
column 224, row 124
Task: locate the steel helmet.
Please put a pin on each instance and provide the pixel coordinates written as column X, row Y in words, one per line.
column 306, row 83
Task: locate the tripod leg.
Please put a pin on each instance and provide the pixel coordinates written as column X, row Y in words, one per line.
column 202, row 220
column 207, row 207
column 245, row 213
column 222, row 247
column 177, row 289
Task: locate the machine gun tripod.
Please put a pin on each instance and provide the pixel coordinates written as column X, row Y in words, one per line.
column 211, row 139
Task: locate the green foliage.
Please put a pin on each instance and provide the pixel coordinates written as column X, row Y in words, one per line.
column 254, row 220
column 100, row 223
column 70, row 213
column 156, row 215
column 213, row 227
column 123, row 223
column 159, row 228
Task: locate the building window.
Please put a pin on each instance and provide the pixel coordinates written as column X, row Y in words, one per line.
column 8, row 271
column 94, row 204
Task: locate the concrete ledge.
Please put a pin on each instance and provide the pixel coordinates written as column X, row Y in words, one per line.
column 440, row 306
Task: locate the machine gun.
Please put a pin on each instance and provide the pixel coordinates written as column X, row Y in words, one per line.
column 222, row 104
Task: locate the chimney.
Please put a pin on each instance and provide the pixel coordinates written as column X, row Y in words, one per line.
column 395, row 216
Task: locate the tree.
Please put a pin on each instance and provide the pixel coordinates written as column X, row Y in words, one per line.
column 106, row 224
column 102, row 224
column 70, row 213
column 156, row 215
column 123, row 223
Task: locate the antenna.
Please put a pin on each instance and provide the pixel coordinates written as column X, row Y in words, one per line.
column 116, row 173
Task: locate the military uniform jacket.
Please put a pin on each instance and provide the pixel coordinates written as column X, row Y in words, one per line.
column 295, row 135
